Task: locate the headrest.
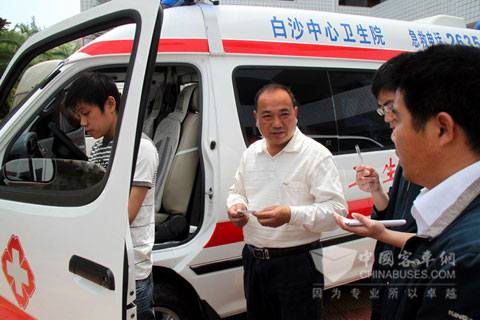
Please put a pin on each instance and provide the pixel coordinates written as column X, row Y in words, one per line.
column 183, row 102
column 194, row 101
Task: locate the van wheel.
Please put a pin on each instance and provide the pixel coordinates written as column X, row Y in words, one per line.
column 170, row 303
column 165, row 314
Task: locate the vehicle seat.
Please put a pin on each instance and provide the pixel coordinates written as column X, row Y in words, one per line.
column 153, row 111
column 162, row 104
column 166, row 139
column 171, row 221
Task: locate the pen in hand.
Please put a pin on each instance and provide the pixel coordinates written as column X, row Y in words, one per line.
column 357, row 147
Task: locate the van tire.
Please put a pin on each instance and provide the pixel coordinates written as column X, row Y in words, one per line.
column 171, row 303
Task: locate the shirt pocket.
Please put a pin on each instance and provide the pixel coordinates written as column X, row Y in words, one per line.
column 295, row 190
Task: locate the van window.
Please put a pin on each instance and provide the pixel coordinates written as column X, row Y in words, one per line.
column 49, row 155
column 355, row 106
column 336, row 107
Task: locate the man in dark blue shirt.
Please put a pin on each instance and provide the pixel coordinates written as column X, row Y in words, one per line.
column 395, row 204
column 436, row 113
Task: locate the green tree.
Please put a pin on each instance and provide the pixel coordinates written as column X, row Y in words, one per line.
column 3, row 24
column 61, row 52
column 12, row 40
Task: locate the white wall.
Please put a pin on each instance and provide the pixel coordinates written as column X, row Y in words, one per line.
column 393, row 9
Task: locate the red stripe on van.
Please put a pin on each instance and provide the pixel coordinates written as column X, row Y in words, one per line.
column 10, row 311
column 307, row 50
column 183, row 45
column 227, row 233
column 363, row 206
column 165, row 45
column 108, row 47
column 247, row 47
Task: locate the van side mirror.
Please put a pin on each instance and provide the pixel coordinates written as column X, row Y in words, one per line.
column 29, row 171
column 51, row 174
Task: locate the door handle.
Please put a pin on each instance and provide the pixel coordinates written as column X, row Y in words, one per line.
column 92, row 271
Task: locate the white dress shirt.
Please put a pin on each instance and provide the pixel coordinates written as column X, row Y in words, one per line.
column 430, row 204
column 302, row 176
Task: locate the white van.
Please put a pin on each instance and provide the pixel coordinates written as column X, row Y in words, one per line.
column 189, row 75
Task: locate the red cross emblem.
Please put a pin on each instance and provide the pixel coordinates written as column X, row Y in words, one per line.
column 18, row 272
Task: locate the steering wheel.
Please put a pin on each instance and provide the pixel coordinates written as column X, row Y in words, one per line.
column 63, row 147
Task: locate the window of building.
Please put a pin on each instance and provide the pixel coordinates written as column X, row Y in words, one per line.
column 359, row 3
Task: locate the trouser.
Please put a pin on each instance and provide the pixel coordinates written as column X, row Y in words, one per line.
column 282, row 287
column 144, row 299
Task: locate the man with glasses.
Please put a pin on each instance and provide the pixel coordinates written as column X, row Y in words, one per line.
column 395, row 204
column 436, row 136
column 384, row 109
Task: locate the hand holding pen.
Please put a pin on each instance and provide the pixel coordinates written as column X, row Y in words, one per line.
column 357, row 147
column 366, row 176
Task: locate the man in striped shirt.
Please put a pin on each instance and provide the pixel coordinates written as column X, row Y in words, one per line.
column 94, row 97
column 100, row 152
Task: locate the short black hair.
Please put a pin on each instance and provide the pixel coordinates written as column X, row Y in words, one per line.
column 92, row 88
column 443, row 78
column 383, row 78
column 275, row 86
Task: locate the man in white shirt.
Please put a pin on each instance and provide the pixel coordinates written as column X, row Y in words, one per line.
column 292, row 188
column 437, row 139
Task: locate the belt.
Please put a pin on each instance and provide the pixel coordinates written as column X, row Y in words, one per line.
column 268, row 253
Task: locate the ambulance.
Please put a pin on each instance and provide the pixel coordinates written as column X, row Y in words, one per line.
column 188, row 76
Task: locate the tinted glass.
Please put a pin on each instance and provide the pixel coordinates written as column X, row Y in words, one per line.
column 355, row 108
column 336, row 107
column 311, row 88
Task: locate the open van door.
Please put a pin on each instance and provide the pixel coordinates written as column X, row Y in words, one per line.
column 64, row 233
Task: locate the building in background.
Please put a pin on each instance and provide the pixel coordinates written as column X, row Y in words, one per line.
column 393, row 9
column 87, row 4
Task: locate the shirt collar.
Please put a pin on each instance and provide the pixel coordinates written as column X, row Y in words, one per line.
column 105, row 142
column 294, row 145
column 430, row 205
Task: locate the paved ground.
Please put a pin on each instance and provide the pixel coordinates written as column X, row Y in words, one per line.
column 349, row 302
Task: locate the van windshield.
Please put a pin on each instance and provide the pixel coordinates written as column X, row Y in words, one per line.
column 33, row 78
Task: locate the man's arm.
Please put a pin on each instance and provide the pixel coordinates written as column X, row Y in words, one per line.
column 274, row 216
column 368, row 180
column 236, row 198
column 135, row 201
column 326, row 188
column 376, row 230
column 143, row 179
column 238, row 219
